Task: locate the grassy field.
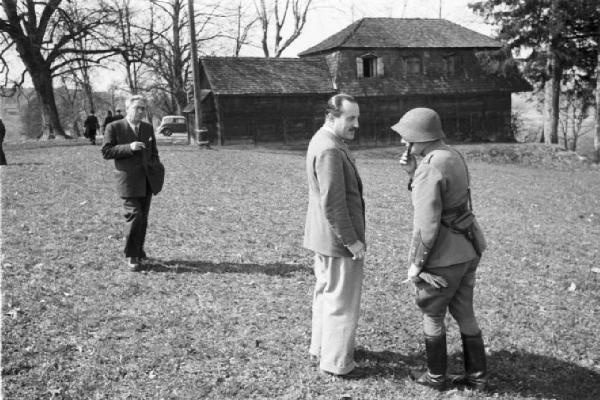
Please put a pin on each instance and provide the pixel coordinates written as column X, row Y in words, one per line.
column 223, row 310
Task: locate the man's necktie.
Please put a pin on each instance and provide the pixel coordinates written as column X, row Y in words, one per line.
column 137, row 131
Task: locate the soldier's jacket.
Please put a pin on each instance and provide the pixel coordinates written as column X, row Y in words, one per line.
column 440, row 183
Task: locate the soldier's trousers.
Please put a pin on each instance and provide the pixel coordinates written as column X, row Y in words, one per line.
column 136, row 222
column 457, row 298
column 336, row 306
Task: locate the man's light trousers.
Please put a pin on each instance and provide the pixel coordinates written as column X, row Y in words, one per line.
column 336, row 307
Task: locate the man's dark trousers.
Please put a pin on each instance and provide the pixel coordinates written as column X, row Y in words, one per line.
column 136, row 217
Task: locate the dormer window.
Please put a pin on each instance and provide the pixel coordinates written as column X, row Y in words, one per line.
column 369, row 66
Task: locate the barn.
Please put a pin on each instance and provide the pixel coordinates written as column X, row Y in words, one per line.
column 389, row 64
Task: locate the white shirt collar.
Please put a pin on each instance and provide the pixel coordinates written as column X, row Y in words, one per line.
column 132, row 125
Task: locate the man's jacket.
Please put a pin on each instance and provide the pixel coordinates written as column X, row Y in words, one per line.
column 440, row 185
column 336, row 208
column 134, row 168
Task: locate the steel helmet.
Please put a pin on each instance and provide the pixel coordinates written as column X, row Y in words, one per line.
column 420, row 125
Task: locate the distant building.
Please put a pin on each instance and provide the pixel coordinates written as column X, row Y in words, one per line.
column 12, row 108
column 389, row 64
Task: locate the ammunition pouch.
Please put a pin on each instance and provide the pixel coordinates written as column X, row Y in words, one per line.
column 465, row 224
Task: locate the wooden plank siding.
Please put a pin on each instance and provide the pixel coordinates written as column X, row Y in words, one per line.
column 263, row 119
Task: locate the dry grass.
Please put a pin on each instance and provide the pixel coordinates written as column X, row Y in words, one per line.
column 224, row 309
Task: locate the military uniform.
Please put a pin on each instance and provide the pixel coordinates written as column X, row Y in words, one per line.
column 440, row 195
column 444, row 243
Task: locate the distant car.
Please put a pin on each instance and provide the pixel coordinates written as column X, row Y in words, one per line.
column 171, row 124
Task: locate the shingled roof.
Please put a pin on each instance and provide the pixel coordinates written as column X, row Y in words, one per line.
column 433, row 86
column 278, row 76
column 403, row 33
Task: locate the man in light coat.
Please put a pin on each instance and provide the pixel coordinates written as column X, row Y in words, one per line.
column 444, row 253
column 335, row 232
column 140, row 174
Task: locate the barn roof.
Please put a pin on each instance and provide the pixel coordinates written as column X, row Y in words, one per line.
column 484, row 83
column 249, row 75
column 403, row 33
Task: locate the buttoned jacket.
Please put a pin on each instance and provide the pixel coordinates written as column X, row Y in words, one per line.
column 134, row 168
column 440, row 183
column 336, row 208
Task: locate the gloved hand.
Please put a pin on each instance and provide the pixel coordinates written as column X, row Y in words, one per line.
column 416, row 274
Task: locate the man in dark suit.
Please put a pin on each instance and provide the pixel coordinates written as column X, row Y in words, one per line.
column 335, row 232
column 2, row 134
column 140, row 174
column 91, row 126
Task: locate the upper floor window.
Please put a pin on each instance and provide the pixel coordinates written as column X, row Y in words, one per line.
column 369, row 66
column 450, row 65
column 413, row 66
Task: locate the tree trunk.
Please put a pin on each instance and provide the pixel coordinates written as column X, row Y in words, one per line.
column 42, row 82
column 551, row 99
column 597, row 132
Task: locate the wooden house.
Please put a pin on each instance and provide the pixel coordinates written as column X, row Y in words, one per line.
column 389, row 64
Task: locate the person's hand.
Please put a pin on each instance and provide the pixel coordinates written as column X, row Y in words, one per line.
column 408, row 163
column 357, row 249
column 434, row 280
column 413, row 273
column 136, row 146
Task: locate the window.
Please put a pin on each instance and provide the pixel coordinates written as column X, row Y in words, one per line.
column 369, row 66
column 413, row 66
column 449, row 65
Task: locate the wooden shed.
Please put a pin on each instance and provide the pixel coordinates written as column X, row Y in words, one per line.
column 263, row 99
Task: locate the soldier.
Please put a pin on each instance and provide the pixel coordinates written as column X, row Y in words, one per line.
column 446, row 247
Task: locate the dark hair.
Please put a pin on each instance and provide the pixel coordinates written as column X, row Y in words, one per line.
column 334, row 104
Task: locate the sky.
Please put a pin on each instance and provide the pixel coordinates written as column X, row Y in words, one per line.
column 330, row 16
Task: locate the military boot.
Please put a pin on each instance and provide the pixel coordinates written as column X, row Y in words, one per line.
column 435, row 376
column 475, row 376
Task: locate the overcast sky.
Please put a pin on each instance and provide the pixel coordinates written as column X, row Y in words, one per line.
column 330, row 16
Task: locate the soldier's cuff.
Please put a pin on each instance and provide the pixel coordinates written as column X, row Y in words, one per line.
column 419, row 254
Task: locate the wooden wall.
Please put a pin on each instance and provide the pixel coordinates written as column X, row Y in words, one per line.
column 263, row 119
column 291, row 119
column 484, row 117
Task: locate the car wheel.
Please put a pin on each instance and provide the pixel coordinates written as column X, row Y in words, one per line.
column 167, row 132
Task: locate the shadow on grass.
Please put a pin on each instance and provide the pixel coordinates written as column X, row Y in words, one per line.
column 202, row 267
column 387, row 363
column 535, row 375
column 517, row 374
column 24, row 163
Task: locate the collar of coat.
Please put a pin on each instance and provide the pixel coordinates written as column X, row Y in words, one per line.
column 329, row 132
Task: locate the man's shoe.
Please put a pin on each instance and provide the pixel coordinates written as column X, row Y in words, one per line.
column 133, row 263
column 356, row 373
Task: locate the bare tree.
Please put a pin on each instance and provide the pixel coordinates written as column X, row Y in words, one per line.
column 278, row 13
column 43, row 34
column 576, row 101
column 133, row 32
column 597, row 126
column 243, row 29
column 170, row 55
